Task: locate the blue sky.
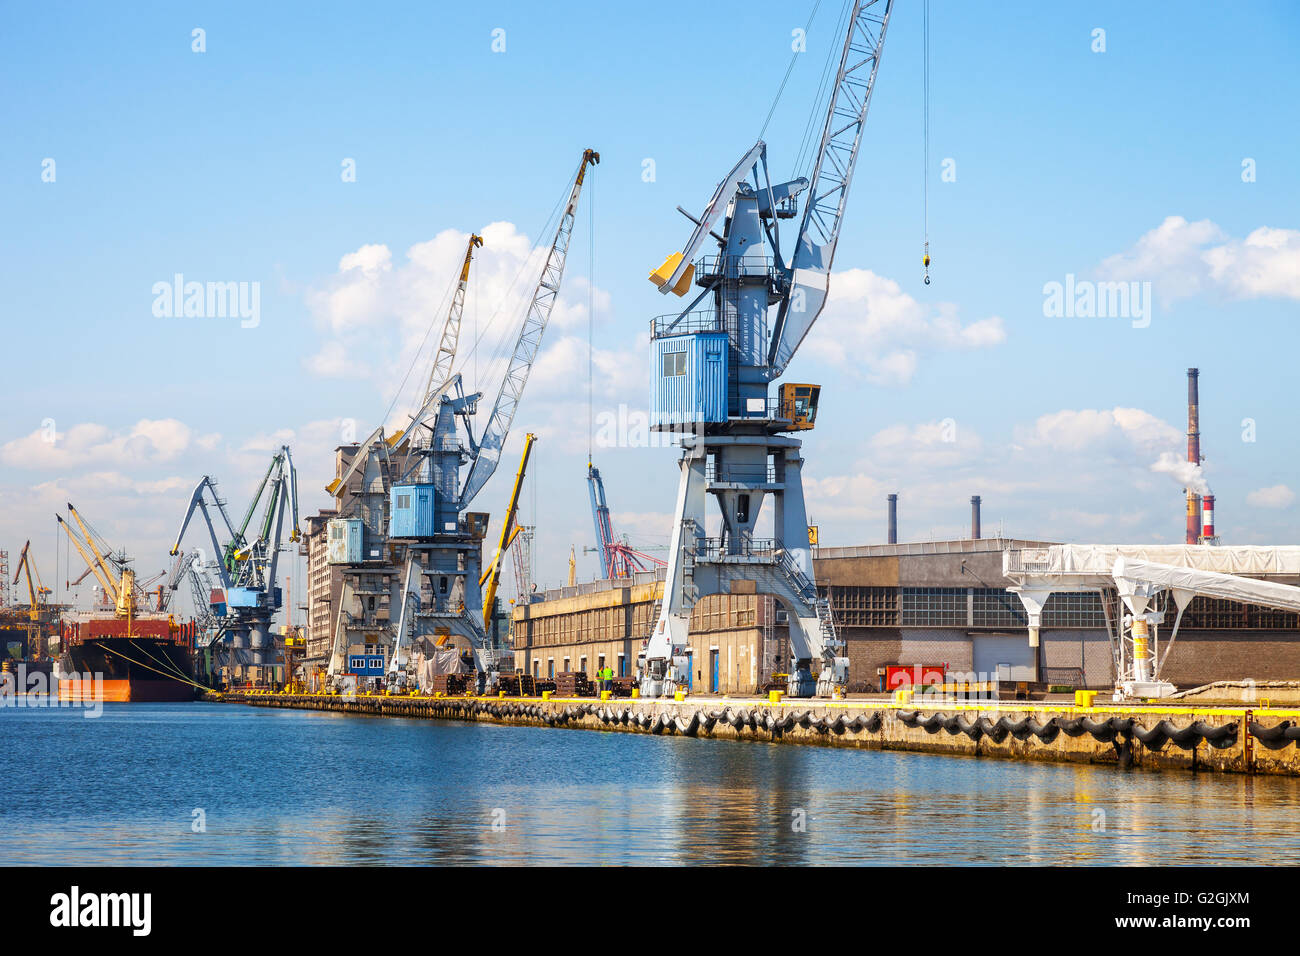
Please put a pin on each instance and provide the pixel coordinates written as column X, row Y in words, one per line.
column 225, row 166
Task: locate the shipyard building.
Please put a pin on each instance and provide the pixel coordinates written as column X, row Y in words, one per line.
column 925, row 604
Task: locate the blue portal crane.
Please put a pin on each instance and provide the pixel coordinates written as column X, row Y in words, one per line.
column 247, row 558
column 710, row 371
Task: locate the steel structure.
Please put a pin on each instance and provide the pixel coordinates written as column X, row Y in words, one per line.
column 247, row 560
column 710, row 372
column 1139, row 575
column 618, row 559
column 430, row 532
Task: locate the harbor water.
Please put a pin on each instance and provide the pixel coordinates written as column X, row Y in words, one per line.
column 203, row 783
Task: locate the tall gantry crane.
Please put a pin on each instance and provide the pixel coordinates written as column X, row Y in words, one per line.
column 247, row 559
column 710, row 372
column 427, row 505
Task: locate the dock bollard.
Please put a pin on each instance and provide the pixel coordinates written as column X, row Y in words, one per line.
column 1084, row 698
column 546, row 695
column 605, row 695
column 774, row 696
column 903, row 696
column 636, row 693
column 679, row 695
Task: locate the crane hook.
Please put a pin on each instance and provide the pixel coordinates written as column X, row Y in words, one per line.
column 925, row 262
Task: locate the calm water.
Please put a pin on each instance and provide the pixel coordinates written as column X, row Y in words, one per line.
column 293, row 787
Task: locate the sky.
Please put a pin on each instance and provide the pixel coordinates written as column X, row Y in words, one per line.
column 333, row 160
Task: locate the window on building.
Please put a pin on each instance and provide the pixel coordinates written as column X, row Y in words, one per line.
column 674, row 363
column 933, row 607
column 403, row 501
column 550, row 668
column 996, row 607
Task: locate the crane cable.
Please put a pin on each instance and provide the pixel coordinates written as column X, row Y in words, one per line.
column 591, row 313
column 925, row 162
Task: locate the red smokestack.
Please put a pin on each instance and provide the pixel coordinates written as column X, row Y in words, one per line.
column 1193, row 452
column 1207, row 519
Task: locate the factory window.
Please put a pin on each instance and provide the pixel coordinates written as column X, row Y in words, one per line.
column 995, row 607
column 1074, row 609
column 674, row 363
column 934, row 607
column 865, row 606
column 582, row 664
column 537, row 669
column 403, row 501
column 550, row 668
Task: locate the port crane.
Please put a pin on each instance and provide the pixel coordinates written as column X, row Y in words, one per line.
column 618, row 559
column 112, row 570
column 37, row 598
column 428, row 514
column 510, row 529
column 711, row 369
column 247, row 560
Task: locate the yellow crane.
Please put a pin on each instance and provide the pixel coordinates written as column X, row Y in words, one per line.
column 36, row 591
column 509, row 528
column 122, row 591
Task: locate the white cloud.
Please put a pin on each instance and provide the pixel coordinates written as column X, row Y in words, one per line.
column 871, row 327
column 1276, row 496
column 89, row 443
column 1184, row 258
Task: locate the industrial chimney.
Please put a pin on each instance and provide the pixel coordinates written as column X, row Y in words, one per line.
column 975, row 516
column 1207, row 520
column 1193, row 453
column 893, row 519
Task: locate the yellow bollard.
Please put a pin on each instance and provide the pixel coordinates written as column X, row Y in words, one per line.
column 903, row 696
column 501, row 695
column 774, row 696
column 605, row 695
column 679, row 695
column 636, row 693
column 546, row 695
column 1084, row 698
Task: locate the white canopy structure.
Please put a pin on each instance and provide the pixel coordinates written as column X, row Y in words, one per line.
column 1138, row 574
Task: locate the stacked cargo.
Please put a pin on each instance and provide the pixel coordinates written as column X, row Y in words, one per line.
column 451, row 685
column 518, row 685
column 574, row 684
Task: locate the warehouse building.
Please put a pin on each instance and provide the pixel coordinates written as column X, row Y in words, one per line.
column 937, row 603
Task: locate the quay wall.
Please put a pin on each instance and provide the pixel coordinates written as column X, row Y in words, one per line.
column 1210, row 739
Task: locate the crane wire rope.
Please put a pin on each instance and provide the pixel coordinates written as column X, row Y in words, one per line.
column 818, row 111
column 794, row 58
column 925, row 162
column 591, row 314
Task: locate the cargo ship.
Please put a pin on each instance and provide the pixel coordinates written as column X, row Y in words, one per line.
column 122, row 650
column 135, row 659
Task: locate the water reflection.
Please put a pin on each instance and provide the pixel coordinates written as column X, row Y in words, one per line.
column 285, row 787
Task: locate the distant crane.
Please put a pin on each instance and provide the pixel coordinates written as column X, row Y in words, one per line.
column 248, row 557
column 618, row 559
